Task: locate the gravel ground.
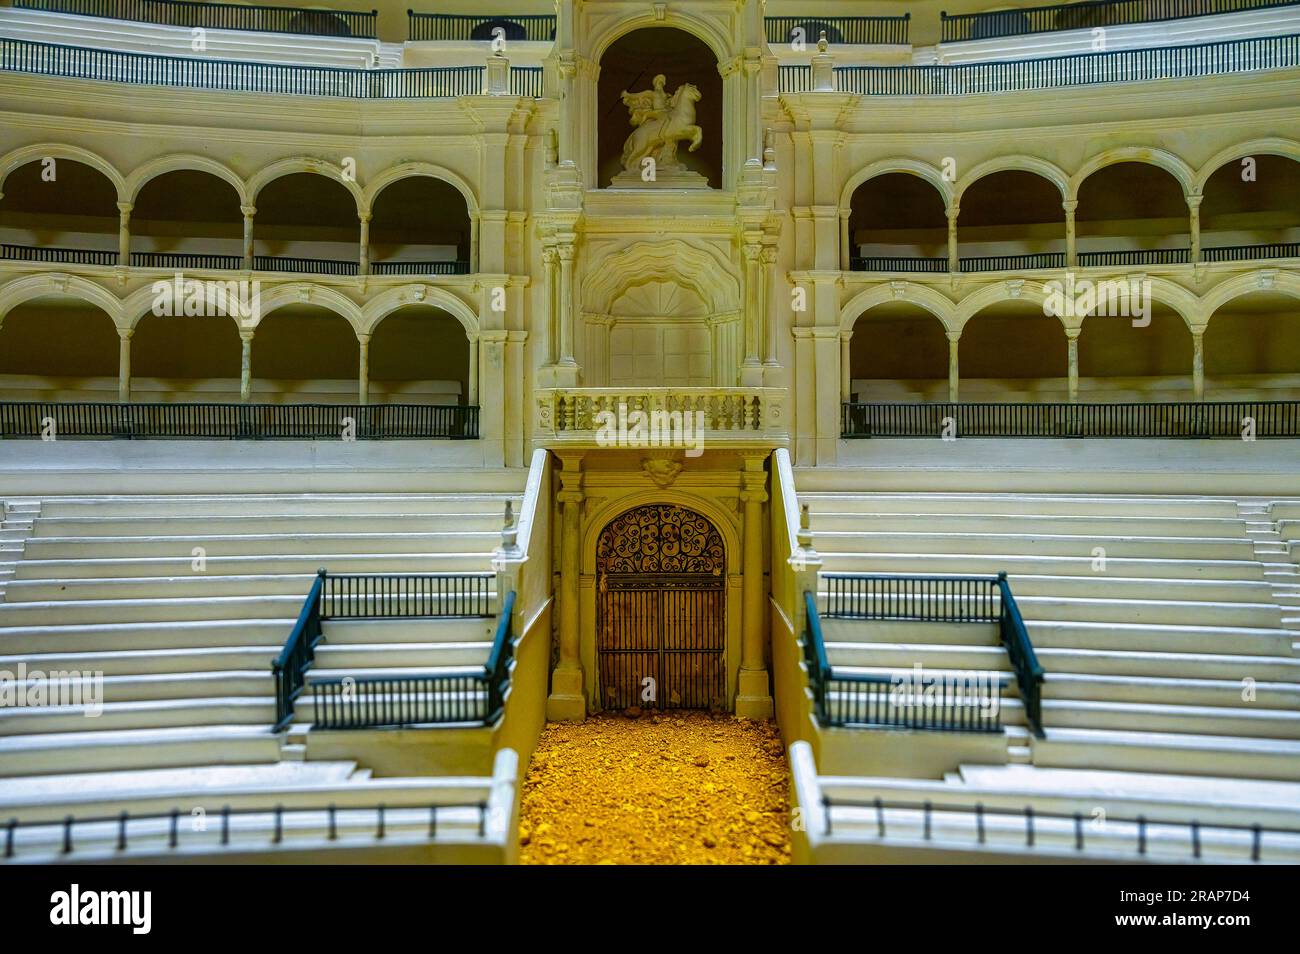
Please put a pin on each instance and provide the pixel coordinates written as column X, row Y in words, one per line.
column 655, row 789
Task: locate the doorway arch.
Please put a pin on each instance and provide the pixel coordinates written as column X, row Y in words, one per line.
column 661, row 620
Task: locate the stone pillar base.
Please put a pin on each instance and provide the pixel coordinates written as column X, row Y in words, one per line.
column 753, row 701
column 751, row 376
column 566, row 702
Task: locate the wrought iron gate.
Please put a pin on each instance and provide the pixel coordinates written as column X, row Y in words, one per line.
column 661, row 610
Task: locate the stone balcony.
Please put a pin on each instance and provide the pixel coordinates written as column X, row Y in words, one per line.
column 691, row 419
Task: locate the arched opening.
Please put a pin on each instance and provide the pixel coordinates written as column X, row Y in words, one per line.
column 631, row 64
column 58, row 348
column 304, row 354
column 59, row 210
column 420, row 355
column 1147, row 361
column 306, row 222
column 510, row 30
column 420, row 226
column 185, row 358
column 897, row 223
column 1011, row 220
column 1252, row 349
column 661, row 592
column 1011, row 351
column 1251, row 209
column 1132, row 213
column 898, row 353
column 187, row 219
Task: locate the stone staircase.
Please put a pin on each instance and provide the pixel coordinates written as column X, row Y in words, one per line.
column 1164, row 624
column 172, row 607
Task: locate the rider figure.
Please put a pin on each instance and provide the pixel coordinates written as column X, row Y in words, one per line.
column 659, row 109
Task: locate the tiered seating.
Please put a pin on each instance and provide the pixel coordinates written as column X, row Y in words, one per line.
column 1151, row 657
column 181, row 603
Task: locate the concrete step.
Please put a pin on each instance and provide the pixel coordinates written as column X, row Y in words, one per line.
column 383, row 656
column 865, row 560
column 1145, row 525
column 136, row 525
column 147, row 714
column 110, row 750
column 1050, row 504
column 107, row 639
column 1170, row 690
column 210, row 684
column 1037, row 544
column 1218, row 755
column 240, row 505
column 1233, row 641
column 271, row 544
column 1188, row 719
column 301, row 564
column 1167, row 612
column 1187, row 665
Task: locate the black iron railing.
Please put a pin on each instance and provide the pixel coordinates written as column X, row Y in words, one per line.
column 438, row 698
column 73, row 256
column 310, row 266
column 1012, row 263
column 1081, row 16
column 878, row 263
column 420, row 268
column 1236, row 253
column 219, row 16
column 456, row 26
column 353, row 820
column 58, row 420
column 190, row 260
column 857, row 30
column 352, row 703
column 1143, row 256
column 945, row 701
column 1138, row 828
column 1172, row 419
column 1054, row 72
column 406, row 595
column 50, row 59
column 527, row 81
column 289, row 670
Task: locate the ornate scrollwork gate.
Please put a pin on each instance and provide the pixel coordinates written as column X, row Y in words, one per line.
column 661, row 610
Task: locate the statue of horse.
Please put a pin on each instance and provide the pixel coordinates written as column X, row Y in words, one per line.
column 658, row 135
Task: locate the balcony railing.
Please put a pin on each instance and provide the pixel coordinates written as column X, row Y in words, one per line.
column 456, row 26
column 306, row 266
column 1144, row 256
column 898, row 264
column 1037, row 260
column 1012, row 263
column 1238, row 253
column 50, row 59
column 1085, row 16
column 1086, row 69
column 36, row 419
column 1174, row 419
column 219, row 16
column 71, row 256
column 856, row 30
column 420, row 268
column 186, row 260
column 661, row 417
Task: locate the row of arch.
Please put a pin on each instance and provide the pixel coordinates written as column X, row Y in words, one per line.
column 952, row 187
column 128, row 186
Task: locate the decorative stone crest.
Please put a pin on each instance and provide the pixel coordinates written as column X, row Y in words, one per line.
column 663, row 471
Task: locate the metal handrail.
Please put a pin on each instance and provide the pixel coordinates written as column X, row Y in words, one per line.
column 1022, row 21
column 304, row 21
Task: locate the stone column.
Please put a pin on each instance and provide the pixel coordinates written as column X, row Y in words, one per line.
column 1071, row 238
column 750, row 368
column 124, row 364
column 246, row 367
column 754, row 697
column 124, row 233
column 1198, row 365
column 846, row 367
column 771, row 302
column 363, row 372
column 566, row 701
column 471, row 397
column 953, row 338
column 566, row 304
column 846, row 250
column 473, row 243
column 1194, row 213
column 953, row 262
column 249, row 211
column 363, row 263
column 1072, row 334
column 550, row 262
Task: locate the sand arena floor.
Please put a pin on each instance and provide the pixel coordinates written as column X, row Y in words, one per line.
column 668, row 788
